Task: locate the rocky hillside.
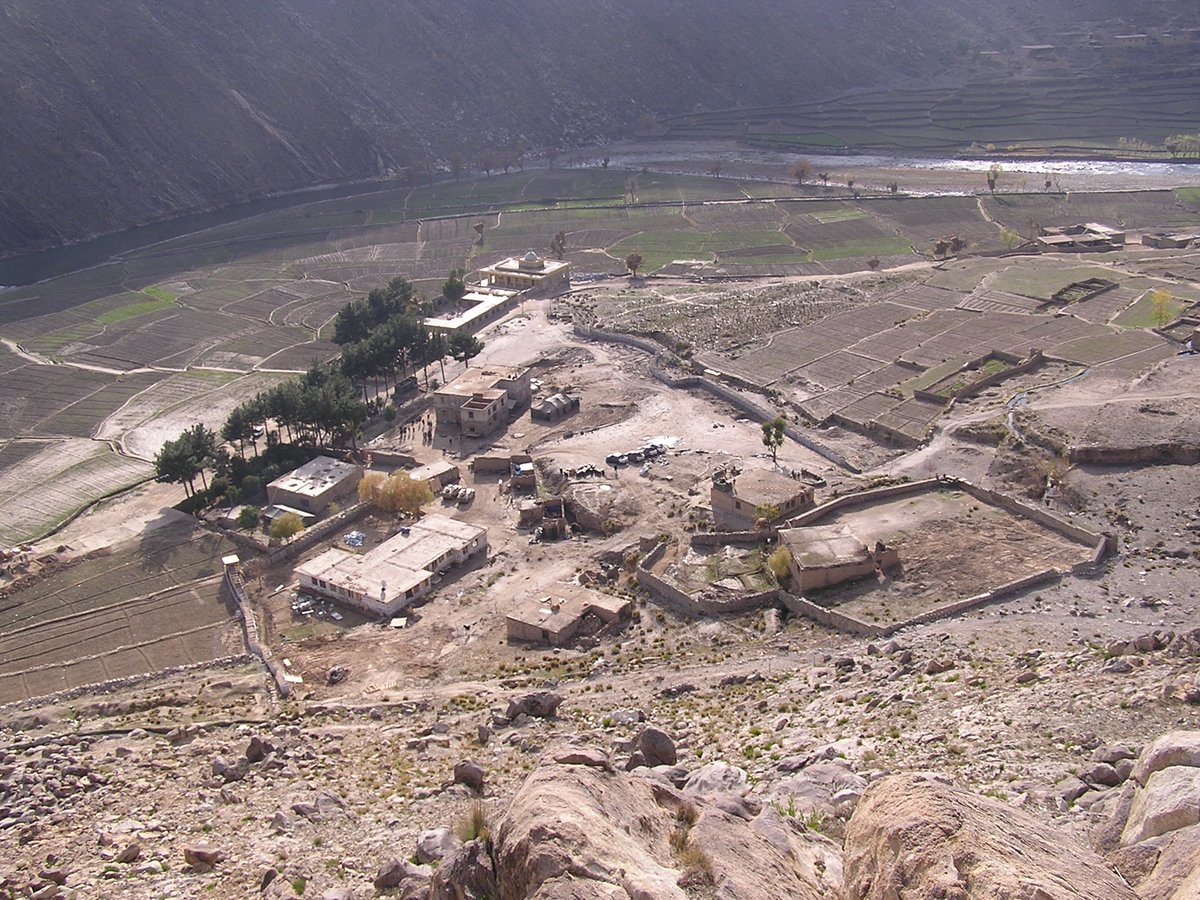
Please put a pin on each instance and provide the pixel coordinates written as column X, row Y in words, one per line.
column 121, row 115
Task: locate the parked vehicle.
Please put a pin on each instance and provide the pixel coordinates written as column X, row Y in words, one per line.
column 465, row 495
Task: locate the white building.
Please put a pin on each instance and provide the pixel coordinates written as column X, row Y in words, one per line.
column 387, row 578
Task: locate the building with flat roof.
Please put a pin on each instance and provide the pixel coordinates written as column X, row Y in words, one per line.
column 479, row 307
column 315, row 485
column 387, row 578
column 558, row 618
column 436, row 474
column 740, row 499
column 532, row 273
column 479, row 401
column 824, row 555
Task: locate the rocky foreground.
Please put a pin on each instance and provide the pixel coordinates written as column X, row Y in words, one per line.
column 627, row 820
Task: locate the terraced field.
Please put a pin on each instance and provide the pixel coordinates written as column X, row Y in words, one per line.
column 142, row 609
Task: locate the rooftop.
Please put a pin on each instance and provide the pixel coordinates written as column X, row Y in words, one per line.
column 527, row 265
column 314, row 478
column 824, row 546
column 432, row 470
column 480, row 381
column 759, row 486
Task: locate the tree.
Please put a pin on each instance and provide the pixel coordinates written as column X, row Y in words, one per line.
column 801, row 170
column 633, row 262
column 1009, row 237
column 247, row 518
column 558, row 246
column 396, row 493
column 873, row 262
column 772, row 436
column 993, row 176
column 454, row 288
column 464, row 347
column 1163, row 303
column 893, row 188
column 285, row 526
column 478, row 226
column 174, row 464
column 715, row 169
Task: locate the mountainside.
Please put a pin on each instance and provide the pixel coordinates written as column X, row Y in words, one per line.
column 116, row 115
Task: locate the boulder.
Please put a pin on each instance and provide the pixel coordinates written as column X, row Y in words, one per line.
column 537, row 705
column 466, row 874
column 716, row 778
column 653, row 747
column 583, row 756
column 436, row 844
column 912, row 837
column 258, row 749
column 469, row 773
column 1178, row 748
column 396, row 871
column 1101, row 774
column 202, row 857
column 1164, row 867
column 1169, row 801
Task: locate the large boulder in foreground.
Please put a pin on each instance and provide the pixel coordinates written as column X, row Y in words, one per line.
column 583, row 831
column 914, row 838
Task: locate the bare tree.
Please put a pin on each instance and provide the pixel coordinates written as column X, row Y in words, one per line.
column 801, row 170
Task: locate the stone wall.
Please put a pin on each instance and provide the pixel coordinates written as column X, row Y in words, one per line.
column 233, row 580
column 724, row 392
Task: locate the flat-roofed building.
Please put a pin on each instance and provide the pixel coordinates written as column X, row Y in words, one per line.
column 532, row 273
column 480, row 400
column 824, row 555
column 387, row 578
column 479, row 307
column 740, row 499
column 436, row 474
column 315, row 485
column 557, row 618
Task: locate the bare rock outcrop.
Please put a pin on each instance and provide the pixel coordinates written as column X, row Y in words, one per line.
column 583, row 831
column 911, row 837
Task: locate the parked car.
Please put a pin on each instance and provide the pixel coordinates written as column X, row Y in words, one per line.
column 465, row 495
column 450, row 492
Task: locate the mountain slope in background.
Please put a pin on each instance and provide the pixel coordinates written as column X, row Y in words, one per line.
column 120, row 114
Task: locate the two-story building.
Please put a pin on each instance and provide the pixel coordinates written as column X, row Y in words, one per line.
column 480, row 400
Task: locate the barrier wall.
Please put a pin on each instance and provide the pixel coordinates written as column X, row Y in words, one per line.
column 723, row 392
column 316, row 533
column 233, row 580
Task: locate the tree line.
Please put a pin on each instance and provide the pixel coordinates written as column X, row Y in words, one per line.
column 383, row 337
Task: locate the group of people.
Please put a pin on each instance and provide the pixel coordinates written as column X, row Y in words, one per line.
column 423, row 426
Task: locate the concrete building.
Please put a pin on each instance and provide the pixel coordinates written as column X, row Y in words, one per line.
column 480, row 400
column 387, row 578
column 739, row 499
column 824, row 555
column 478, row 308
column 557, row 619
column 315, row 485
column 530, row 273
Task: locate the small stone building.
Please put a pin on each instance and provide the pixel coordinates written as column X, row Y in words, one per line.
column 436, row 474
column 315, row 485
column 825, row 555
column 557, row 619
column 554, row 408
column 739, row 499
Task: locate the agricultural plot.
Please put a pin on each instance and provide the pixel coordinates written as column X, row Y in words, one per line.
column 140, row 609
column 923, row 222
column 49, row 486
column 1152, row 210
column 81, row 418
column 31, row 394
column 164, row 411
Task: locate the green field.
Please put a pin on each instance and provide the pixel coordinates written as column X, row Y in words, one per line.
column 1145, row 314
column 660, row 248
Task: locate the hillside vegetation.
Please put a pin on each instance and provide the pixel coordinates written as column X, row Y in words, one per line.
column 117, row 115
